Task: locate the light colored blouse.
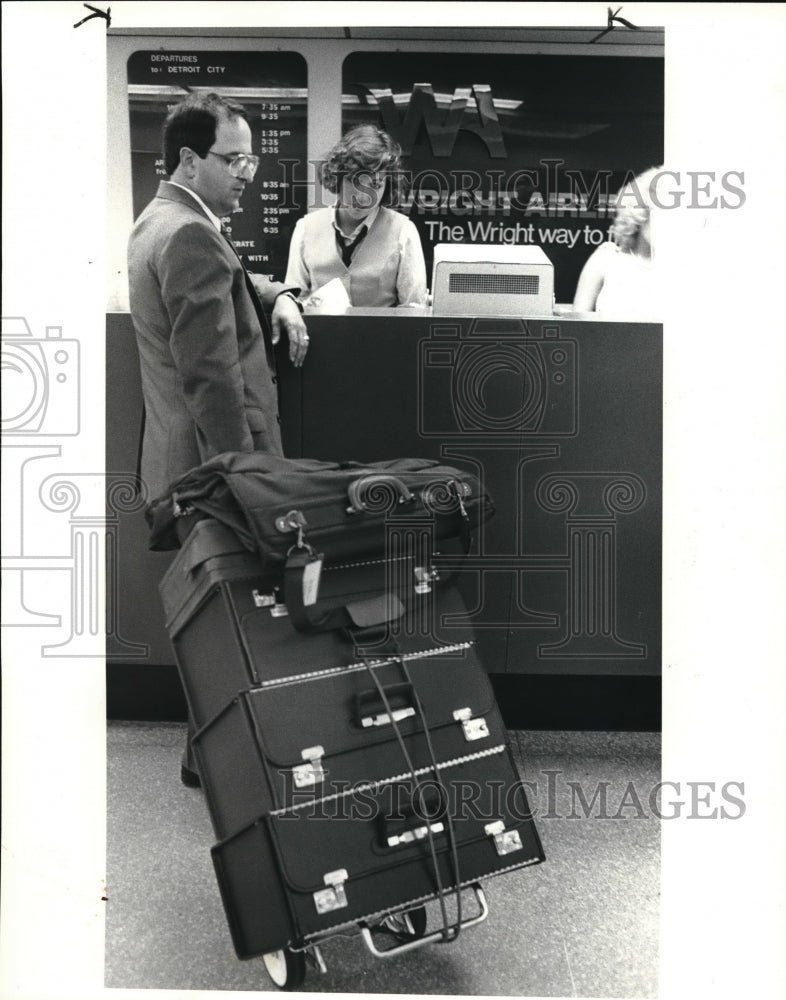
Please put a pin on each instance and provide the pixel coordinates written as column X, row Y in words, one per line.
column 387, row 267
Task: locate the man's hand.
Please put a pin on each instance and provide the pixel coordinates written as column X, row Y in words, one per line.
column 286, row 316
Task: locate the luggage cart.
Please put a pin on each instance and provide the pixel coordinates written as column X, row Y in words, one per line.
column 294, row 719
column 287, row 967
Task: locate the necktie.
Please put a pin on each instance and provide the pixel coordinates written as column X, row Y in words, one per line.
column 348, row 248
column 264, row 323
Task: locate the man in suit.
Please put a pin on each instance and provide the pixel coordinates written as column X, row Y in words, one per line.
column 205, row 342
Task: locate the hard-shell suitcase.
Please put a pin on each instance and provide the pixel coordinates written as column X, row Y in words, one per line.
column 218, row 602
column 318, row 734
column 296, row 875
column 230, row 629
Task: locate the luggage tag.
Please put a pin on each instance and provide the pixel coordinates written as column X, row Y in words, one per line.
column 310, row 563
column 312, row 573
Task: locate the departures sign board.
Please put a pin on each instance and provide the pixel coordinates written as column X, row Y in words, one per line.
column 273, row 88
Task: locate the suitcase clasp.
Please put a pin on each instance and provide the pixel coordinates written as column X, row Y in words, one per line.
column 333, row 896
column 312, row 771
column 263, row 600
column 409, row 836
column 277, row 608
column 506, row 841
column 474, row 729
column 383, row 719
column 423, row 578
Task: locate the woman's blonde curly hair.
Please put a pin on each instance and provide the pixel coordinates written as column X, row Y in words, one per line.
column 632, row 209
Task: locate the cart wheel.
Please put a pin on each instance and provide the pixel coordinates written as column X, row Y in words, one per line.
column 286, row 968
column 409, row 926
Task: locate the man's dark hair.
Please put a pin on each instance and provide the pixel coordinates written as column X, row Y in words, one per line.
column 193, row 123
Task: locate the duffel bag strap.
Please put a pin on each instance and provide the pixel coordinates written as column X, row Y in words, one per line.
column 458, row 490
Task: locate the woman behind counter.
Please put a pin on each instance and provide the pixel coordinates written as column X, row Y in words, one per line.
column 373, row 250
column 618, row 280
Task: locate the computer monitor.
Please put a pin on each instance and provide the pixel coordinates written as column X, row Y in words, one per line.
column 487, row 279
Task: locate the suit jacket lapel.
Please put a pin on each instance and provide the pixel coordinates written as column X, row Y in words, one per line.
column 174, row 193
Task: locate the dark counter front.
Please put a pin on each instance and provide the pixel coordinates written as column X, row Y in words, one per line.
column 561, row 419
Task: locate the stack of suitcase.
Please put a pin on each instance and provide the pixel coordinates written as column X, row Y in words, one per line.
column 353, row 771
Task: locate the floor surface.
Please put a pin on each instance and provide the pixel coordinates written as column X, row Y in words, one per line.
column 583, row 924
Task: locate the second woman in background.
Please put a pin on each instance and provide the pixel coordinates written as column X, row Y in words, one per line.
column 373, row 250
column 618, row 280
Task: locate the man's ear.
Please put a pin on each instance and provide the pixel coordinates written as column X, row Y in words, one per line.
column 187, row 160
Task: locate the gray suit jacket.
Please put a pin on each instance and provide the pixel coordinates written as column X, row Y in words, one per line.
column 207, row 380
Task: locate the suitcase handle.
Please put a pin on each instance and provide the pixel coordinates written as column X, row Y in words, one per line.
column 378, row 493
column 370, row 710
column 413, row 822
column 399, row 949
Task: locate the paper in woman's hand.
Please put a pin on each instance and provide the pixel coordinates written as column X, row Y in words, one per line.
column 331, row 298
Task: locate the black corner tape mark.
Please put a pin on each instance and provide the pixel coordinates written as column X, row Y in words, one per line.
column 107, row 15
column 612, row 21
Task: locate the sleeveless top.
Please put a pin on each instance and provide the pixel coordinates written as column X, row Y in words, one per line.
column 629, row 291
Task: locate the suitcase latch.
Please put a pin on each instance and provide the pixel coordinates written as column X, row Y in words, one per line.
column 409, row 836
column 333, row 896
column 423, row 579
column 474, row 729
column 277, row 609
column 383, row 719
column 312, row 771
column 505, row 841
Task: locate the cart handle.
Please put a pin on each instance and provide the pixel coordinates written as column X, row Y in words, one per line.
column 428, row 938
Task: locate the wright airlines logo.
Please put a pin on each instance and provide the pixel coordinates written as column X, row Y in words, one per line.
column 469, row 110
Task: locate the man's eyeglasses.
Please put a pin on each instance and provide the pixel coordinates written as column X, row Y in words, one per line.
column 239, row 162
